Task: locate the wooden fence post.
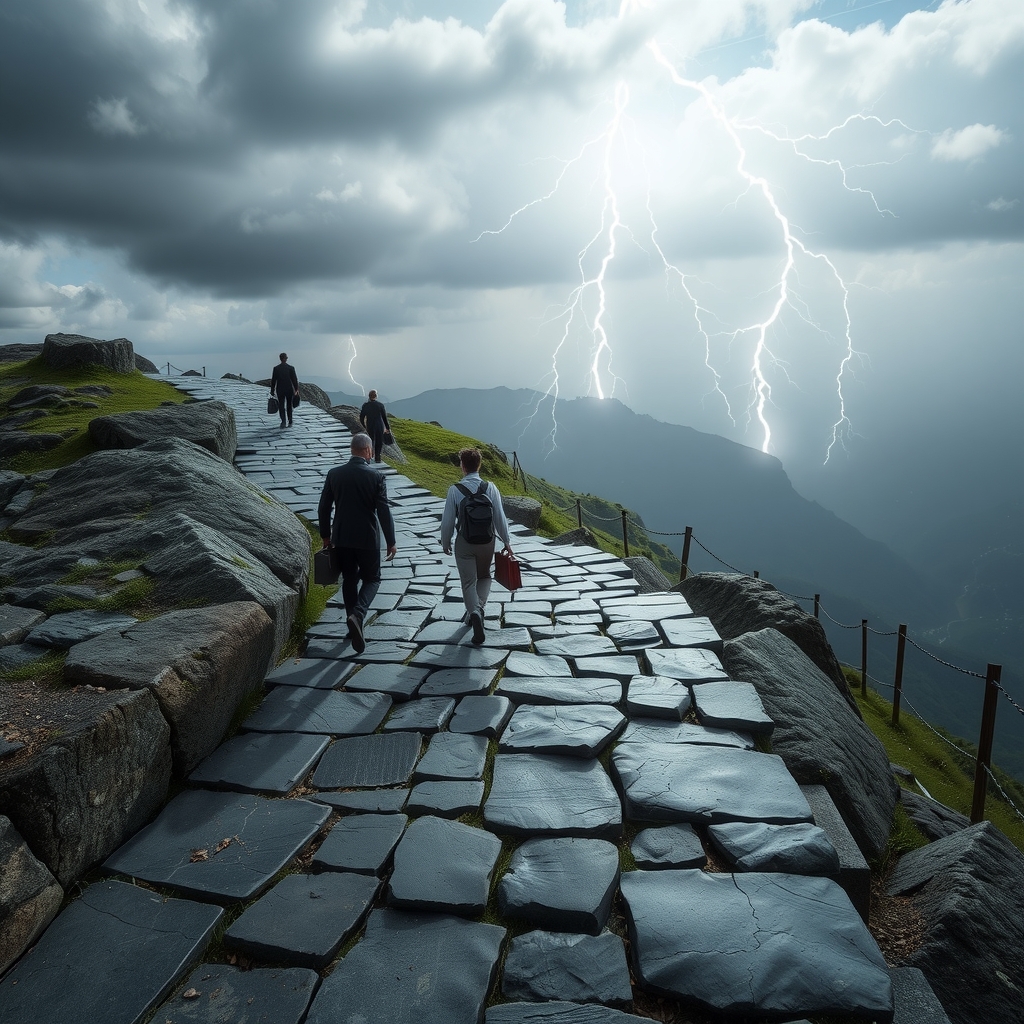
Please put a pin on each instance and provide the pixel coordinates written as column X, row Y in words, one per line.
column 579, row 513
column 757, row 574
column 684, row 567
column 863, row 657
column 988, row 728
column 817, row 606
column 625, row 537
column 897, row 683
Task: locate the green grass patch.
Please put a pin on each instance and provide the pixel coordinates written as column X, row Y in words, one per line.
column 131, row 393
column 45, row 671
column 314, row 602
column 133, row 598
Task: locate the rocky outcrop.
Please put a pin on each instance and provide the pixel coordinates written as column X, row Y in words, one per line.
column 821, row 740
column 742, row 604
column 308, row 393
column 211, row 425
column 92, row 786
column 144, row 365
column 969, row 888
column 579, row 537
column 73, row 351
column 521, row 509
column 935, row 820
column 199, row 663
column 347, row 415
column 29, row 895
column 651, row 579
column 19, row 353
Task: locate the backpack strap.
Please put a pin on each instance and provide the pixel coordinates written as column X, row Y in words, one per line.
column 482, row 487
column 465, row 490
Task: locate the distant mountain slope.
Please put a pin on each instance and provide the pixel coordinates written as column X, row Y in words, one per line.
column 740, row 502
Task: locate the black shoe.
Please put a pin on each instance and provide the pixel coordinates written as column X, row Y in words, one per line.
column 283, row 424
column 355, row 633
column 289, row 423
column 478, row 628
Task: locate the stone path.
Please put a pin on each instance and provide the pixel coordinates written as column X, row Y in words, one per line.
column 471, row 826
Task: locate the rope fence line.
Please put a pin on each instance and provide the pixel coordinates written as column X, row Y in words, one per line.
column 1002, row 690
column 1004, row 794
column 945, row 739
column 948, row 664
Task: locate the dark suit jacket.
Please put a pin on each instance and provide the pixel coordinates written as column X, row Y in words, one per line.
column 359, row 496
column 284, row 381
column 374, row 417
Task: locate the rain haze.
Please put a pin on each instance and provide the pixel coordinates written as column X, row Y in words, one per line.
column 795, row 224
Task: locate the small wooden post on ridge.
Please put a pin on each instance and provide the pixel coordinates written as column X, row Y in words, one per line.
column 684, row 562
column 625, row 537
column 817, row 606
column 897, row 683
column 988, row 728
column 579, row 513
column 863, row 657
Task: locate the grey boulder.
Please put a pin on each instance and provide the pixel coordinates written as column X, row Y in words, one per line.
column 211, row 425
column 72, row 351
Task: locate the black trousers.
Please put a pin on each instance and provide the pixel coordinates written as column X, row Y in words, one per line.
column 360, row 578
column 285, row 400
column 377, row 436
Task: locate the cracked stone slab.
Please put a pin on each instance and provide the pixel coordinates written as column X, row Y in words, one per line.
column 576, row 730
column 425, row 715
column 634, row 633
column 547, row 631
column 17, row 622
column 732, row 705
column 453, row 756
column 658, row 697
column 221, row 846
column 400, row 682
column 443, row 866
column 63, row 631
column 323, row 712
column 442, row 631
column 370, row 801
column 481, row 716
column 379, row 651
column 513, row 638
column 724, row 942
column 618, row 666
column 547, row 795
column 320, row 673
column 384, row 759
column 671, row 846
column 562, row 884
column 458, row 682
column 686, row 782
column 651, row 730
column 583, row 645
column 228, row 993
column 400, row 972
column 138, row 941
column 445, row 799
column 693, row 664
column 516, row 618
column 536, row 666
column 693, row 632
column 456, row 656
column 261, row 762
column 560, row 1012
column 802, row 849
column 360, row 843
column 542, row 966
column 559, row 690
column 304, row 919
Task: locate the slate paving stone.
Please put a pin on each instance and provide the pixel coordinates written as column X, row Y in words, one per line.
column 542, row 966
column 693, row 632
column 559, row 690
column 414, row 617
column 634, row 633
column 442, row 632
column 379, row 651
column 651, row 730
column 443, row 866
column 536, row 666
column 802, row 849
column 227, row 993
column 398, row 681
column 61, row 632
column 384, row 759
column 320, row 673
column 511, row 639
column 562, row 629
column 622, row 612
column 304, row 919
column 584, row 606
column 686, row 782
column 360, row 843
column 723, row 941
column 457, row 682
column 261, row 762
column 445, row 799
column 425, row 715
column 371, row 801
column 453, row 756
column 401, row 972
column 456, row 656
column 732, row 705
column 481, row 716
column 658, row 697
column 546, row 795
column 561, row 884
column 514, row 617
column 137, row 941
column 693, row 664
column 17, row 655
column 620, row 666
column 221, row 846
column 577, row 730
column 672, row 846
column 377, row 632
column 323, row 712
column 581, row 646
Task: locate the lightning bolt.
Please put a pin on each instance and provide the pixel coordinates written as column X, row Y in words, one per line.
column 351, row 360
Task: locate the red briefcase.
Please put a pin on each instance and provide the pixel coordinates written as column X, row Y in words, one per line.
column 506, row 570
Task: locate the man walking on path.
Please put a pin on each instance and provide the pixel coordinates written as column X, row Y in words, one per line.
column 472, row 556
column 358, row 495
column 285, row 384
column 374, row 419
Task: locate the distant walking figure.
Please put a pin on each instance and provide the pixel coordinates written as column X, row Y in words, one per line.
column 285, row 384
column 474, row 505
column 358, row 496
column 374, row 419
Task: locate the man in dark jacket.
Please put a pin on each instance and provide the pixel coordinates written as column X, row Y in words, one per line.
column 285, row 384
column 358, row 495
column 374, row 419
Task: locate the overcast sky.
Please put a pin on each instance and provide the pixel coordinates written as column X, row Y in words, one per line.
column 597, row 197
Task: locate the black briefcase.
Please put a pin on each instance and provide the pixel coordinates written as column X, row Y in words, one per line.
column 325, row 571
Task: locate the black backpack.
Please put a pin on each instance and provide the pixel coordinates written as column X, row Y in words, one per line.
column 476, row 515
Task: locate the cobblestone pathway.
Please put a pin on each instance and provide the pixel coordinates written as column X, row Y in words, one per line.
column 478, row 817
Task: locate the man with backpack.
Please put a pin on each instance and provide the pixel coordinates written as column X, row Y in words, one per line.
column 474, row 506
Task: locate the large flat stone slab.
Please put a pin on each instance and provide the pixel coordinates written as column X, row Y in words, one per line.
column 559, row 1013
column 401, row 972
column 452, row 756
column 63, row 631
column 322, row 712
column 304, row 919
column 458, row 656
column 685, row 782
column 385, row 759
column 559, row 690
column 658, row 697
column 732, row 705
column 615, row 666
column 445, row 799
column 221, row 846
column 424, row 715
column 443, row 866
column 724, row 942
column 398, row 681
column 671, row 846
column 361, row 843
column 458, row 682
column 581, row 646
column 135, row 942
column 693, row 664
column 802, row 849
column 261, row 762
column 546, row 795
column 561, row 884
column 380, row 651
column 634, row 634
column 369, row 801
column 653, row 730
column 694, row 632
column 577, row 730
column 522, row 664
column 481, row 716
column 320, row 673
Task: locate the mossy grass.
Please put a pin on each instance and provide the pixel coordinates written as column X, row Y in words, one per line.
column 131, row 392
column 313, row 603
column 133, row 598
column 46, row 671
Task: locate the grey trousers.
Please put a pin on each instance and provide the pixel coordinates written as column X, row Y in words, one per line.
column 474, row 564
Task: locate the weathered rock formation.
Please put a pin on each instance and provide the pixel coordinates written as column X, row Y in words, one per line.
column 71, row 351
column 522, row 509
column 211, row 425
column 651, row 579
